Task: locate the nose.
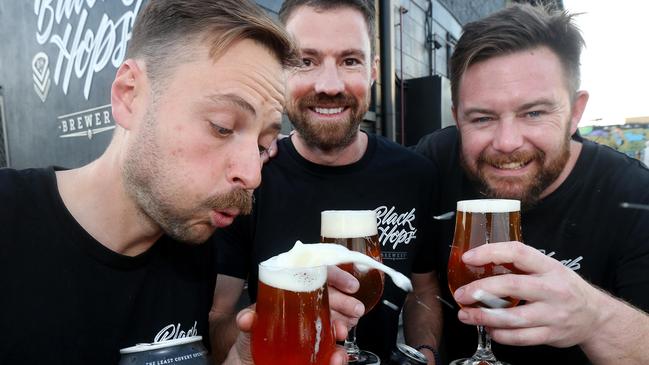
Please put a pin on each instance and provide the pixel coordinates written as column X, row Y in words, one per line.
column 508, row 136
column 244, row 167
column 328, row 79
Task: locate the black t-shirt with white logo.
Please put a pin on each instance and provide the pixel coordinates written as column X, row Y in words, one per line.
column 393, row 181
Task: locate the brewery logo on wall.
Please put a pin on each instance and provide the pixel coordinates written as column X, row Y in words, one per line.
column 77, row 40
column 40, row 66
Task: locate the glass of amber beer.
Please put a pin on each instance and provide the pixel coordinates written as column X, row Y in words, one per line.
column 293, row 325
column 480, row 222
column 357, row 230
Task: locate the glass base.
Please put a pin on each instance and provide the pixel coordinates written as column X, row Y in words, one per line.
column 364, row 358
column 473, row 361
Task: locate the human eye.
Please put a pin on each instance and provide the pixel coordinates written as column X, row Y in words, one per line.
column 263, row 151
column 481, row 119
column 221, row 131
column 306, row 63
column 534, row 114
column 351, row 62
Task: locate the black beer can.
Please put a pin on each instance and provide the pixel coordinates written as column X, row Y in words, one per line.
column 184, row 351
column 406, row 355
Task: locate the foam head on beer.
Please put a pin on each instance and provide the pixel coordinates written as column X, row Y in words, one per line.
column 318, row 254
column 489, row 206
column 348, row 223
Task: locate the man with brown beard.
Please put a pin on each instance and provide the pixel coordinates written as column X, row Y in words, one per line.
column 516, row 103
column 329, row 163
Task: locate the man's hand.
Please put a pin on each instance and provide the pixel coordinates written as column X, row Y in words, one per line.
column 271, row 151
column 560, row 309
column 345, row 309
column 240, row 353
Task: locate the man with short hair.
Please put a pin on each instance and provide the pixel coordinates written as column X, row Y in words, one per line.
column 516, row 103
column 329, row 163
column 107, row 256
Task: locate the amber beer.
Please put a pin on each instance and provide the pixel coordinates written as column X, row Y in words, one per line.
column 356, row 230
column 480, row 222
column 293, row 325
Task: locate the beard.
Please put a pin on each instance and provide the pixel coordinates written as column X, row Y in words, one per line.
column 527, row 189
column 152, row 182
column 329, row 136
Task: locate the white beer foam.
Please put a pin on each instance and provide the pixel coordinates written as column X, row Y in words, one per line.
column 348, row 223
column 295, row 279
column 489, row 206
column 317, row 254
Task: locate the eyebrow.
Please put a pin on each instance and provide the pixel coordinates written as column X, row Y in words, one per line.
column 526, row 106
column 235, row 100
column 477, row 111
column 536, row 103
column 343, row 53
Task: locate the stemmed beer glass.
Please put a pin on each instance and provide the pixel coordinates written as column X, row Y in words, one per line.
column 357, row 230
column 479, row 222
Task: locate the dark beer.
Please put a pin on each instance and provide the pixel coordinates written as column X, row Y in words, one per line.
column 293, row 325
column 480, row 222
column 356, row 230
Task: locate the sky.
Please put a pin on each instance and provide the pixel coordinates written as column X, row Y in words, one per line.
column 615, row 62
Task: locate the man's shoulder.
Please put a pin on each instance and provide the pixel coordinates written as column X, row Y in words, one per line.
column 439, row 145
column 605, row 158
column 612, row 171
column 13, row 181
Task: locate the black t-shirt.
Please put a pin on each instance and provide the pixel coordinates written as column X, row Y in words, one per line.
column 67, row 299
column 580, row 224
column 389, row 179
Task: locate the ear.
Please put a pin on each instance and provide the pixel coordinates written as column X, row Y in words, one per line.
column 454, row 112
column 126, row 91
column 374, row 70
column 578, row 107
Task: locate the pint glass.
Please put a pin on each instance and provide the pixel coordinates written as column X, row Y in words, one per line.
column 293, row 325
column 480, row 222
column 357, row 230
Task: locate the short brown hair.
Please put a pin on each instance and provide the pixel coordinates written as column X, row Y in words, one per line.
column 365, row 7
column 164, row 28
column 514, row 29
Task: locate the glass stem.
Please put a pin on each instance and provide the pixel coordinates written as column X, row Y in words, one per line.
column 350, row 345
column 483, row 353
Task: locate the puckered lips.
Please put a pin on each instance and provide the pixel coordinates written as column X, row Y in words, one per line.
column 223, row 217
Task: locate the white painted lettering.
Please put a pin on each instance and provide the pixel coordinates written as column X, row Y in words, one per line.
column 80, row 49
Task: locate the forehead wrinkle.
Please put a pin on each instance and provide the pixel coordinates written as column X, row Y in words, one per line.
column 270, row 90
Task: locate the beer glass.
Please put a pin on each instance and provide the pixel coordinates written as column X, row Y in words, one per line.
column 293, row 325
column 480, row 222
column 357, row 230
